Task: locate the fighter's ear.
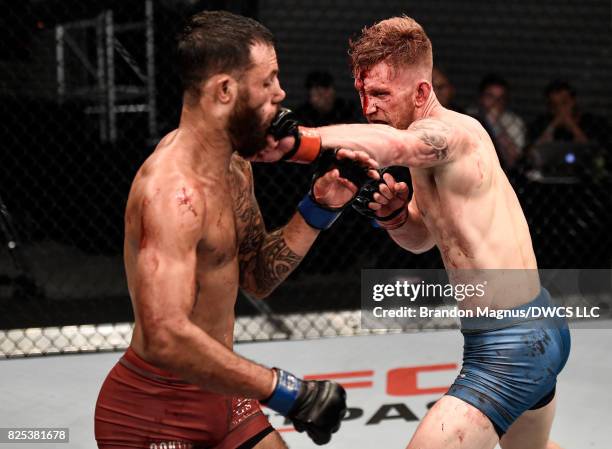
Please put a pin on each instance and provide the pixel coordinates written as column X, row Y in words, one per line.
column 223, row 87
column 422, row 93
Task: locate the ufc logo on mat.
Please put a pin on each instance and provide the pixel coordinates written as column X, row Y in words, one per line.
column 400, row 381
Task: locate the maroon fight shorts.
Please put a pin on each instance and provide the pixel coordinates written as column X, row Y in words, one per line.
column 141, row 406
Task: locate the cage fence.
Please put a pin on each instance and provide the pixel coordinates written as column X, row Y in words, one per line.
column 88, row 88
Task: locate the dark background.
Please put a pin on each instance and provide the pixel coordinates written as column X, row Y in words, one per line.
column 65, row 189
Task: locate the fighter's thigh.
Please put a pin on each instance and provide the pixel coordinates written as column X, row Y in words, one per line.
column 453, row 423
column 531, row 429
column 272, row 441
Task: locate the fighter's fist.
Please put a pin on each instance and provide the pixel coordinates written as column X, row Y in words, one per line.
column 274, row 150
column 319, row 409
column 385, row 200
column 338, row 178
column 390, row 197
column 314, row 407
column 288, row 141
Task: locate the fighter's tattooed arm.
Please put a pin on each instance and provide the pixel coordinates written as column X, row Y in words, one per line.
column 265, row 258
column 426, row 143
column 435, row 136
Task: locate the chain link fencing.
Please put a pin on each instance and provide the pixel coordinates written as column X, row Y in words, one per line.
column 88, row 88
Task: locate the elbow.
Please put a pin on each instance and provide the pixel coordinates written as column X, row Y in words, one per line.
column 253, row 288
column 173, row 345
column 426, row 245
column 417, row 247
column 421, row 249
column 160, row 342
column 262, row 295
column 256, row 293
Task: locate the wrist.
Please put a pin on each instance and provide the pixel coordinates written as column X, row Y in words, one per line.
column 271, row 385
column 316, row 215
column 285, row 393
column 395, row 222
column 307, row 146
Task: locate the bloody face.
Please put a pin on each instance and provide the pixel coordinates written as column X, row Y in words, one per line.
column 387, row 94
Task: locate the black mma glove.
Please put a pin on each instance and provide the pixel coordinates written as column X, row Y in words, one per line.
column 366, row 194
column 284, row 124
column 320, row 216
column 315, row 407
column 307, row 140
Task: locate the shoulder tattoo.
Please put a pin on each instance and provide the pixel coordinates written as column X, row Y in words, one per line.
column 434, row 134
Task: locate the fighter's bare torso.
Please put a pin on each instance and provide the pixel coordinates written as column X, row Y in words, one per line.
column 228, row 217
column 472, row 212
column 469, row 205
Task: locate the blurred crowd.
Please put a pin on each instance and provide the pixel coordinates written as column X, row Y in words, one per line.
column 561, row 143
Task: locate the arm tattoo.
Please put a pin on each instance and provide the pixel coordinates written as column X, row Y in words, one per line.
column 265, row 259
column 434, row 134
column 275, row 261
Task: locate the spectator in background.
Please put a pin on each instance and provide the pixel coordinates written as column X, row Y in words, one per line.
column 323, row 106
column 507, row 130
column 564, row 122
column 444, row 90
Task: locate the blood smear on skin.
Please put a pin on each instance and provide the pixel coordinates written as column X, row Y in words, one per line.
column 361, row 86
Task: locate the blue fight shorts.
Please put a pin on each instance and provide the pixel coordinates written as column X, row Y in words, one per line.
column 511, row 365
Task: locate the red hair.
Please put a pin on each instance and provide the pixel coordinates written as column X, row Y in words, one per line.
column 397, row 41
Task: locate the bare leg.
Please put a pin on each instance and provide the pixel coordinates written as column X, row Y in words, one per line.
column 531, row 430
column 452, row 423
column 272, row 441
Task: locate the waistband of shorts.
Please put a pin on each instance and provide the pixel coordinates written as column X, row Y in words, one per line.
column 134, row 362
column 480, row 323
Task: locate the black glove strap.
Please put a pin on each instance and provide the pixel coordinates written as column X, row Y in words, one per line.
column 366, row 194
column 393, row 214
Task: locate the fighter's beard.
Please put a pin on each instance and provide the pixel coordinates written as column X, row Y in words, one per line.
column 246, row 128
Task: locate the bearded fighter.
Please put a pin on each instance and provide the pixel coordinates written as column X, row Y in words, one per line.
column 194, row 235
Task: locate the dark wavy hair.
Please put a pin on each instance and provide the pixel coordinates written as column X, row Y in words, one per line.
column 214, row 42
